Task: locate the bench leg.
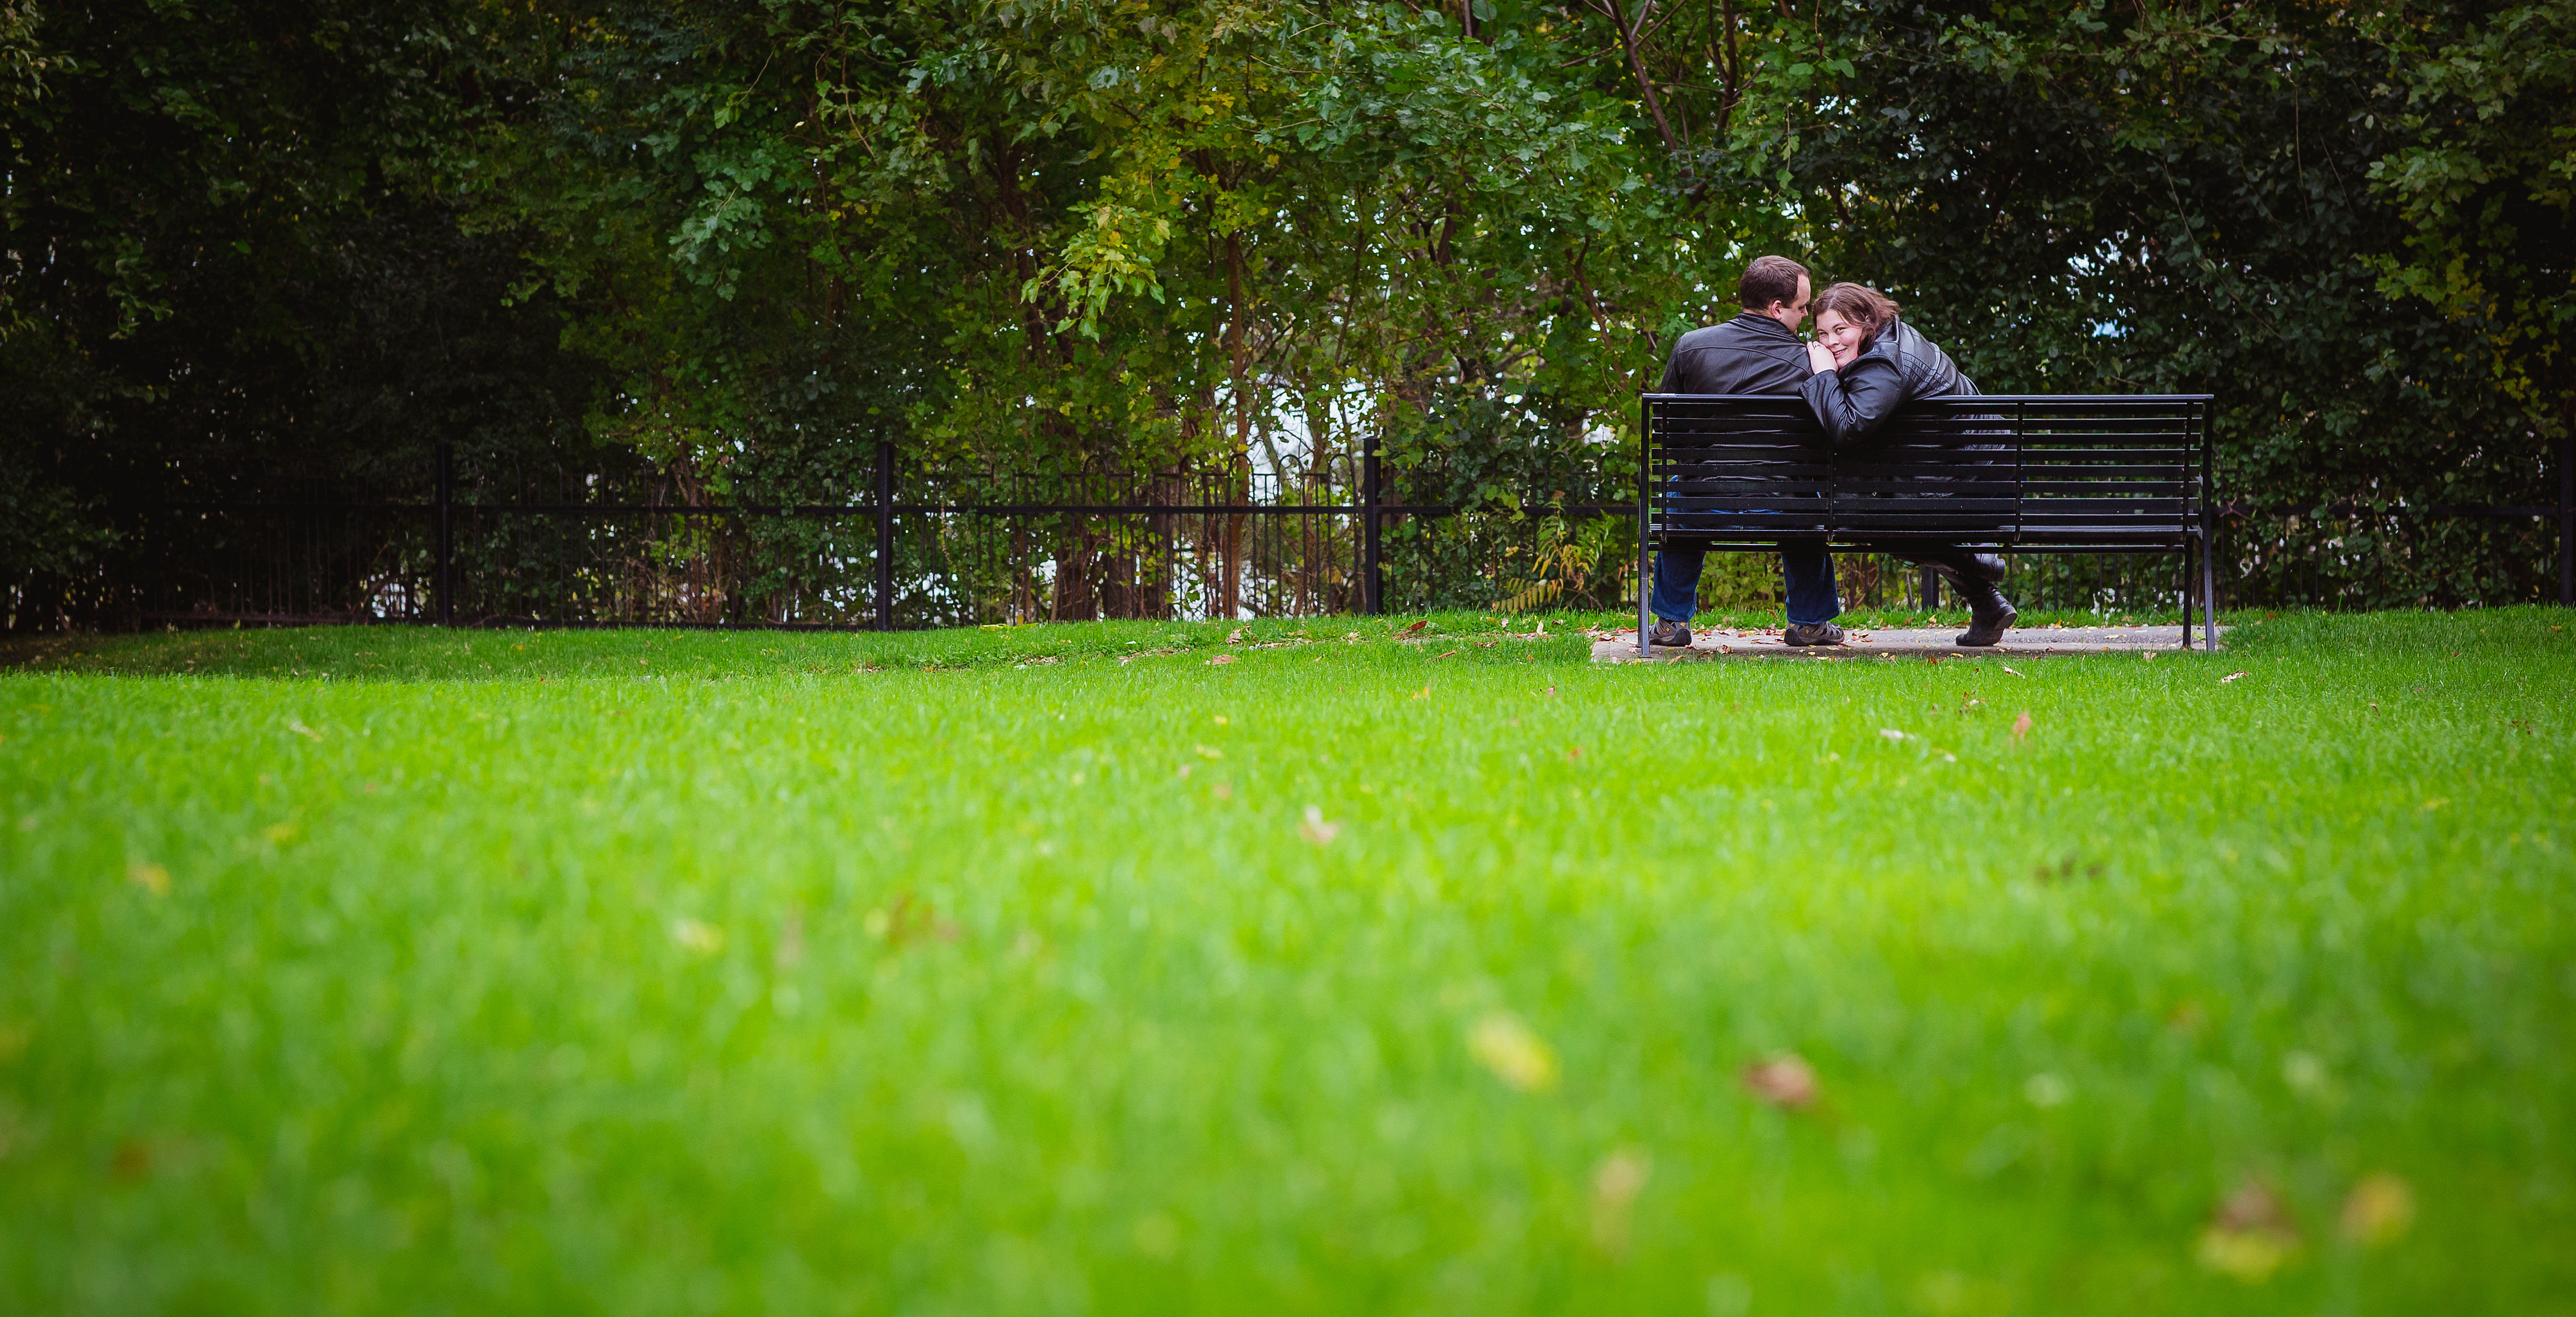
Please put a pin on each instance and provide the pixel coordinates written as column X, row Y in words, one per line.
column 2186, row 594
column 1645, row 598
column 2209, row 595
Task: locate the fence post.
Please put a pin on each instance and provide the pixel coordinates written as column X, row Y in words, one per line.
column 446, row 534
column 885, row 536
column 2567, row 519
column 1370, row 594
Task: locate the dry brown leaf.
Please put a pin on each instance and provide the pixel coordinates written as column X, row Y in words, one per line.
column 1220, row 660
column 1234, row 637
column 1415, row 628
column 1437, row 657
column 2021, row 725
column 2013, row 673
column 2231, row 677
column 1784, row 1080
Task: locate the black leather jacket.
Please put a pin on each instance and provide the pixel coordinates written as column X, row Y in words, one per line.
column 1752, row 353
column 1897, row 366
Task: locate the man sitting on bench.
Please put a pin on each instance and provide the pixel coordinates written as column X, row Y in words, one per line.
column 1756, row 352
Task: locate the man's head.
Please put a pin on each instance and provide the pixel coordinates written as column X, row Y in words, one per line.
column 1776, row 286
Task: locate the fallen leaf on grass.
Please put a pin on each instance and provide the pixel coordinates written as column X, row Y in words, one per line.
column 1209, row 752
column 1573, row 754
column 1317, row 828
column 1784, row 1080
column 2021, row 725
column 296, row 725
column 1415, row 628
column 2378, row 1210
column 1437, row 657
column 907, row 920
column 1423, row 694
column 703, row 939
column 1234, row 637
column 1891, row 733
column 2250, row 1236
column 2013, row 673
column 1220, row 660
column 1615, row 1185
column 150, row 877
column 2230, row 677
column 1516, row 1055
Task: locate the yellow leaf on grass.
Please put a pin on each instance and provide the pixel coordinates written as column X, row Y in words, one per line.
column 150, row 877
column 1615, row 1185
column 2250, row 1236
column 2378, row 1210
column 1504, row 1045
column 704, row 939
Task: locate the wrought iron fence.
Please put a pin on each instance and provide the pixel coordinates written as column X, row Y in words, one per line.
column 487, row 540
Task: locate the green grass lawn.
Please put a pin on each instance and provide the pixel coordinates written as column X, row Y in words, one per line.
column 1066, row 970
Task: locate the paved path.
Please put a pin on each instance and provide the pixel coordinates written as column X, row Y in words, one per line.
column 2023, row 642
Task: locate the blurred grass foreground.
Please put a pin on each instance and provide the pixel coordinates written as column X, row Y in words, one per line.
column 1296, row 967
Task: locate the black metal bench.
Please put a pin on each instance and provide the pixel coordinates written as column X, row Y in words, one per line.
column 2004, row 473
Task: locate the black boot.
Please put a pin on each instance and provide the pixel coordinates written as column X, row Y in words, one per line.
column 1989, row 614
column 1803, row 634
column 1670, row 635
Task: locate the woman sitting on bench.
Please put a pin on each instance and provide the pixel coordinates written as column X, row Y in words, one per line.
column 1867, row 363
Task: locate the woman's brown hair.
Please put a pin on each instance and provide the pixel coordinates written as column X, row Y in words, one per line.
column 1866, row 307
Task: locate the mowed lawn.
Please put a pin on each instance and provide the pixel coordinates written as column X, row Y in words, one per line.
column 1066, row 970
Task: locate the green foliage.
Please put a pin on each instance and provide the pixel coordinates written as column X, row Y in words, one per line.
column 405, row 970
column 738, row 244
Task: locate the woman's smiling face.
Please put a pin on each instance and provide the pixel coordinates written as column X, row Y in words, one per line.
column 1841, row 336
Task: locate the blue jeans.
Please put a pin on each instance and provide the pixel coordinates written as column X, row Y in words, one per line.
column 1809, row 569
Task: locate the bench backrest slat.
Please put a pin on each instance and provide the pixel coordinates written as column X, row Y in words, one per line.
column 2015, row 471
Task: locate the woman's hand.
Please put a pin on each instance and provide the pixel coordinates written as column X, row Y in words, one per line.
column 1819, row 358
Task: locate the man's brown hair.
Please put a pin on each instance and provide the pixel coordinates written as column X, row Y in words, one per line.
column 1770, row 279
column 1866, row 307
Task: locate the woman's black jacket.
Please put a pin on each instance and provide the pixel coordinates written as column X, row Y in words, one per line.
column 1896, row 367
